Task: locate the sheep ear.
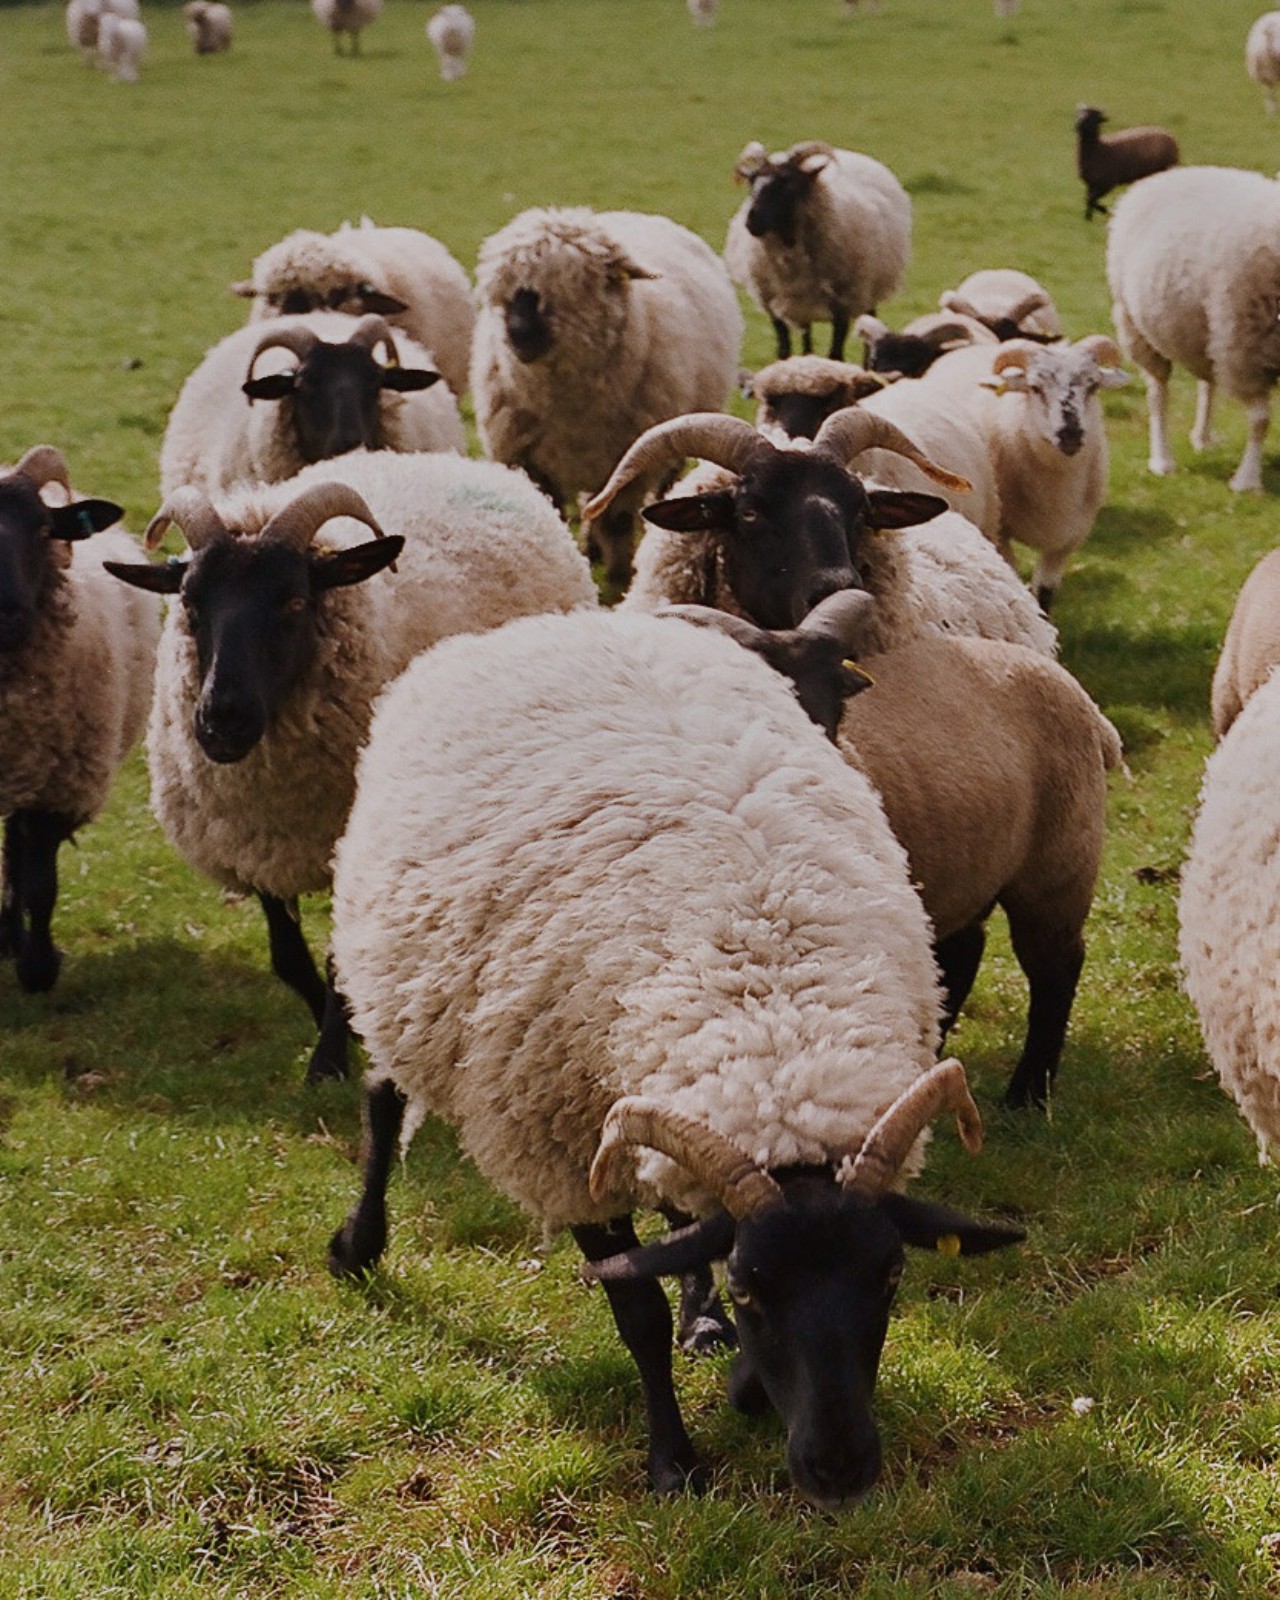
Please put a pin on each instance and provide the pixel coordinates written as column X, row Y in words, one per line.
column 694, row 1246
column 1112, row 377
column 622, row 269
column 384, row 305
column 274, row 386
column 903, row 508
column 853, row 680
column 83, row 517
column 162, row 578
column 405, row 379
column 341, row 568
column 244, row 289
column 926, row 1225
column 1011, row 379
column 693, row 513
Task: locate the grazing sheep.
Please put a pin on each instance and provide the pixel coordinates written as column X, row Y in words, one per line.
column 209, row 25
column 1252, row 645
column 1262, row 56
column 346, row 16
column 593, row 326
column 1228, row 930
column 1038, row 409
column 76, row 658
column 1105, row 161
column 912, row 351
column 400, row 273
column 122, row 44
column 325, row 394
column 1009, row 302
column 82, row 18
column 796, row 396
column 269, row 667
column 703, row 12
column 718, row 1012
column 1193, row 261
column 824, row 235
column 452, row 32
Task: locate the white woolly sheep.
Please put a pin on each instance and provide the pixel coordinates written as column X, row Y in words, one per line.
column 1193, row 260
column 703, row 12
column 1228, row 922
column 1006, row 8
column 911, row 351
column 348, row 17
column 122, row 44
column 1009, row 302
column 269, row 668
column 1252, row 645
column 209, row 25
column 535, row 954
column 82, row 18
column 322, row 392
column 1262, row 56
column 452, row 31
column 593, row 326
column 824, row 236
column 400, row 273
column 76, row 659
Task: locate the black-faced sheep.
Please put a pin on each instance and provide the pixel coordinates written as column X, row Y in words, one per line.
column 1105, row 161
column 1008, row 302
column 795, row 397
column 910, row 352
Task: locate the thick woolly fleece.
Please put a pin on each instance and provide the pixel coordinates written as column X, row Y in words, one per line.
column 606, row 855
column 219, row 439
column 346, row 16
column 1252, row 645
column 853, row 243
column 403, row 262
column 993, row 292
column 1228, row 918
column 483, row 546
column 626, row 352
column 74, row 700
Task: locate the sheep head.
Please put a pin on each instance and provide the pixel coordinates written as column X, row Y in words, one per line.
column 796, row 396
column 1060, row 382
column 780, row 185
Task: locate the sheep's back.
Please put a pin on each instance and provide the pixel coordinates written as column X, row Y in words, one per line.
column 1252, row 644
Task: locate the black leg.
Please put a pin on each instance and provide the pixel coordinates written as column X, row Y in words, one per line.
column 10, row 877
column 958, row 956
column 746, row 1392
column 783, row 335
column 38, row 961
column 839, row 333
column 643, row 1320
column 1044, row 597
column 703, row 1323
column 291, row 961
column 363, row 1236
column 329, row 1058
column 1052, row 966
column 806, row 340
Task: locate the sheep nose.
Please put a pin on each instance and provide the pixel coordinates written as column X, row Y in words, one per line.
column 1070, row 438
column 228, row 728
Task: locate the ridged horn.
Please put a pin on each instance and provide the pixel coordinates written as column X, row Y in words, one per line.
column 716, row 1162
column 951, row 300
column 370, row 332
column 848, row 433
column 1102, row 348
column 298, row 523
column 713, row 435
column 947, row 330
column 1013, row 353
column 1032, row 301
column 737, row 628
column 192, row 510
column 842, row 616
column 295, row 338
column 885, row 1148
column 45, row 463
column 752, row 159
column 809, row 147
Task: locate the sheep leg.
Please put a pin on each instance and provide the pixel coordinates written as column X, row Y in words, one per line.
column 41, row 834
column 1051, row 960
column 643, row 1319
column 362, row 1238
column 783, row 335
column 291, row 961
column 1160, row 459
column 10, row 906
column 703, row 1323
column 958, row 957
column 1047, row 577
column 1202, row 428
column 329, row 1058
column 839, row 333
column 1248, row 475
column 806, row 340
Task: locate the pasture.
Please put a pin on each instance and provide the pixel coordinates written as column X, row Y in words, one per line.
column 189, row 1406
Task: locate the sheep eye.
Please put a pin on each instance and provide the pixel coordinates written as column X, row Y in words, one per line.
column 294, row 605
column 739, row 1293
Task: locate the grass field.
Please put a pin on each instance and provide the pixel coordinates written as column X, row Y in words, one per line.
column 188, row 1405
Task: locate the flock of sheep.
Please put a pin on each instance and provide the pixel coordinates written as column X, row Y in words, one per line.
column 669, row 905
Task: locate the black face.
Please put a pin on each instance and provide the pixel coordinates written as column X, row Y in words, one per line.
column 905, row 353
column 528, row 325
column 776, row 195
column 26, row 568
column 801, row 415
column 816, row 665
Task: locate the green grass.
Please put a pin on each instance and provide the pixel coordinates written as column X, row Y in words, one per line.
column 188, row 1406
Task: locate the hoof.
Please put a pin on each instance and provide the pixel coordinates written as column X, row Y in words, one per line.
column 670, row 1478
column 327, row 1064
column 38, row 971
column 354, row 1250
column 705, row 1334
column 1162, row 467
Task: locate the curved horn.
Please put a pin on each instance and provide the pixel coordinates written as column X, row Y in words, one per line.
column 296, row 338
column 193, row 512
column 753, row 159
column 716, row 1162
column 950, row 300
column 1013, row 353
column 947, row 330
column 737, row 628
column 885, row 1148
column 869, row 328
column 713, row 435
column 45, row 463
column 298, row 523
column 807, row 148
column 1101, row 348
column 1033, row 301
column 370, row 332
column 842, row 616
column 848, row 433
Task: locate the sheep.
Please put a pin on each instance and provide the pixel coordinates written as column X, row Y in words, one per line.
column 795, row 397
column 776, row 530
column 1252, row 645
column 82, row 18
column 76, row 658
column 1037, row 407
column 1105, row 161
column 399, row 273
column 824, row 235
column 122, row 44
column 327, row 394
column 1193, row 263
column 452, row 31
column 1006, row 8
column 703, row 12
column 851, row 8
column 1009, row 302
column 208, row 24
column 346, row 16
column 592, row 327
column 1227, row 922
column 912, row 351
column 717, row 1012
column 270, row 665
column 1262, row 56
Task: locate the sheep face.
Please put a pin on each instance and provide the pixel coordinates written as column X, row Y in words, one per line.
column 778, row 191
column 1059, row 382
column 528, row 325
column 32, row 551
column 800, row 416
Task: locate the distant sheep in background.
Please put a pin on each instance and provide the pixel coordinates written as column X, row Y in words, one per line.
column 1105, row 161
column 703, row 12
column 122, row 44
column 346, row 16
column 913, row 350
column 1009, row 302
column 452, row 32
column 851, row 8
column 1006, row 8
column 795, row 397
column 208, row 26
column 83, row 17
column 1262, row 56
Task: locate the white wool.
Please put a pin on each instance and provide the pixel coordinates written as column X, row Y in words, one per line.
column 1262, row 56
column 1252, row 644
column 993, row 294
column 452, row 32
column 122, row 44
column 346, row 16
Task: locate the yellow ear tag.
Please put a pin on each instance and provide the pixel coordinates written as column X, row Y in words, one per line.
column 852, row 666
column 948, row 1244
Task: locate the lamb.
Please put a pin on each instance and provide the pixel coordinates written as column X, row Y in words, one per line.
column 777, row 530
column 452, row 31
column 719, row 1013
column 1009, row 302
column 795, row 397
column 1105, row 161
column 1038, row 408
column 348, row 17
column 1262, row 56
column 703, row 12
column 270, row 665
column 824, row 236
column 1227, row 924
column 1252, row 645
column 399, row 273
column 593, row 326
column 1193, row 260
column 76, row 658
column 82, row 18
column 912, row 351
column 208, row 25
column 327, row 394
column 122, row 44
